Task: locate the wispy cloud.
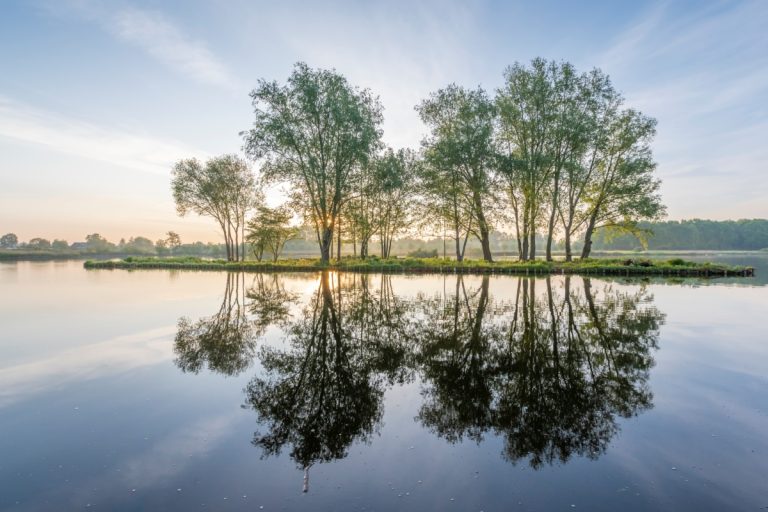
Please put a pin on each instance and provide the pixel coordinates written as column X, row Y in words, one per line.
column 132, row 150
column 166, row 42
column 157, row 34
column 402, row 52
column 702, row 73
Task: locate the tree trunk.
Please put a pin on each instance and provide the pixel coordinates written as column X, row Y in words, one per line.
column 568, row 250
column 459, row 255
column 483, row 227
column 550, row 233
column 326, row 243
column 338, row 243
column 485, row 242
column 587, row 249
column 532, row 245
column 526, row 229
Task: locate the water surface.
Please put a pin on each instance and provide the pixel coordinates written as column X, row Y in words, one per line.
column 158, row 390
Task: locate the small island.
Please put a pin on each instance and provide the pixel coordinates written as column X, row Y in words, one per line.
column 408, row 265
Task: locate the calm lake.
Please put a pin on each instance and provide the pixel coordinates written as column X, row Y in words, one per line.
column 163, row 390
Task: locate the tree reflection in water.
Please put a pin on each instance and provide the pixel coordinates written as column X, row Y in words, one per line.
column 325, row 391
column 226, row 341
column 550, row 369
column 549, row 372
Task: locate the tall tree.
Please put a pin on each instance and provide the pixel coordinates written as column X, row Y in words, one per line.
column 443, row 203
column 461, row 139
column 394, row 195
column 598, row 102
column 361, row 209
column 223, row 188
column 625, row 189
column 314, row 132
column 526, row 121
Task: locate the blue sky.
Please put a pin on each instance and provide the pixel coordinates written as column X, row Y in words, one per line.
column 98, row 99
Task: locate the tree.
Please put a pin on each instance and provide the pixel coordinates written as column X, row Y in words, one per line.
column 567, row 147
column 394, row 178
column 95, row 243
column 360, row 210
column 526, row 119
column 9, row 241
column 443, row 203
column 161, row 247
column 223, row 188
column 269, row 230
column 461, row 143
column 314, row 132
column 173, row 241
column 598, row 103
column 625, row 189
column 39, row 244
column 139, row 245
column 59, row 245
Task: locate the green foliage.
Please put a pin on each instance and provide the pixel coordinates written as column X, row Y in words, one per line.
column 223, row 188
column 460, row 155
column 423, row 253
column 314, row 132
column 269, row 230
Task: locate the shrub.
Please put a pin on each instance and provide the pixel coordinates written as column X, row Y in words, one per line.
column 423, row 253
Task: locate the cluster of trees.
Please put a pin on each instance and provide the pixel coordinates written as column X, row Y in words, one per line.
column 744, row 234
column 11, row 241
column 550, row 370
column 223, row 188
column 553, row 154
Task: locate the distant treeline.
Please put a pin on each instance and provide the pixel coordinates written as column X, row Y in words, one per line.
column 696, row 234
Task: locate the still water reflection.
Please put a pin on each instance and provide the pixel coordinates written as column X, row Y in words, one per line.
column 548, row 372
column 378, row 392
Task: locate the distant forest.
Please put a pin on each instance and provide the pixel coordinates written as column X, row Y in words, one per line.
column 696, row 234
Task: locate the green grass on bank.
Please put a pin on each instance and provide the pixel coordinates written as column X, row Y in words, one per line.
column 610, row 266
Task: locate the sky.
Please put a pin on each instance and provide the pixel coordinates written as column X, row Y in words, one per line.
column 99, row 99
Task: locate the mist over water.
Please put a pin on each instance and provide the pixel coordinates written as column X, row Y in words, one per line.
column 205, row 390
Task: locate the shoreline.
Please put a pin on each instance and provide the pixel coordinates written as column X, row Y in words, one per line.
column 602, row 266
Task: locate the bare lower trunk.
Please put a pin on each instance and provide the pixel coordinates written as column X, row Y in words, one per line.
column 326, row 244
column 338, row 241
column 550, row 234
column 587, row 249
column 532, row 246
column 459, row 253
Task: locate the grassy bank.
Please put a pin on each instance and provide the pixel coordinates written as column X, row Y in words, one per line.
column 623, row 266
